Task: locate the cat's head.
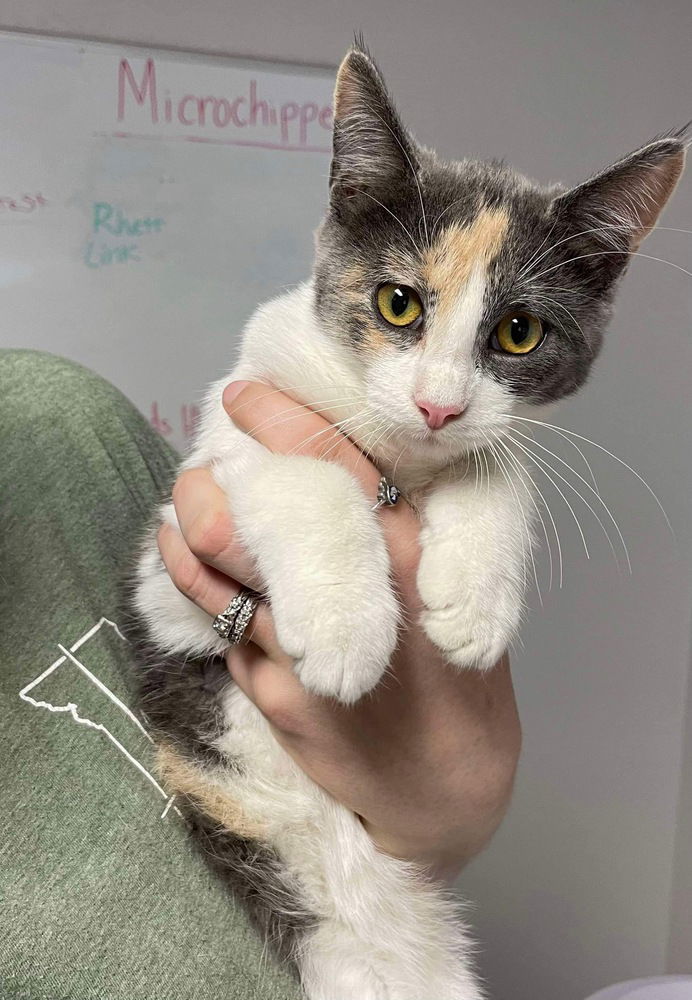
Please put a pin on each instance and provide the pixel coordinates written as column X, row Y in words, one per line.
column 463, row 288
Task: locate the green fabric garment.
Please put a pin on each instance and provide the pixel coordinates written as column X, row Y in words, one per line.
column 102, row 898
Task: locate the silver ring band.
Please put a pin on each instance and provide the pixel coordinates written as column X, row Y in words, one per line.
column 242, row 619
column 233, row 621
column 387, row 494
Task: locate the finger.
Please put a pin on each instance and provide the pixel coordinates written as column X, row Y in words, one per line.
column 206, row 523
column 203, row 585
column 276, row 691
column 212, row 591
column 285, row 427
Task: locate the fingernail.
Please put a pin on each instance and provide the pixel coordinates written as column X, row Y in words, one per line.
column 231, row 391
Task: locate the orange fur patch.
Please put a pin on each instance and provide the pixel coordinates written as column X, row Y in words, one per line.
column 182, row 777
column 374, row 339
column 447, row 265
column 352, row 279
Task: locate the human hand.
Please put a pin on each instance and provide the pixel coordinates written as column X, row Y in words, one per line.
column 427, row 760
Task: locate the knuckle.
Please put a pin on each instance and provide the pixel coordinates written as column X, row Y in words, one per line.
column 208, row 535
column 234, row 551
column 181, row 485
column 188, row 576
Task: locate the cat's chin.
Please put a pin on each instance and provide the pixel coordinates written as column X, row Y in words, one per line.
column 422, row 453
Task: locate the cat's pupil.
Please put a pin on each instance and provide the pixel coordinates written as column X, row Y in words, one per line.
column 520, row 329
column 399, row 301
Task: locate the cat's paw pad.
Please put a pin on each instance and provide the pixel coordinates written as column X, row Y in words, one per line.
column 344, row 647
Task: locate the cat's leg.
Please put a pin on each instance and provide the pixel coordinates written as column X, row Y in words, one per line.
column 356, row 923
column 378, row 930
column 476, row 544
column 320, row 553
column 385, row 932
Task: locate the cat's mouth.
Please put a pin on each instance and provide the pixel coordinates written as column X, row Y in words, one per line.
column 455, row 440
column 424, row 445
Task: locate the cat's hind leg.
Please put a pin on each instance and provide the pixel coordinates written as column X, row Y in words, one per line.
column 375, row 928
column 385, row 931
column 354, row 923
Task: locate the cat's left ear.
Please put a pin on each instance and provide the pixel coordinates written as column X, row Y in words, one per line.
column 622, row 204
column 372, row 149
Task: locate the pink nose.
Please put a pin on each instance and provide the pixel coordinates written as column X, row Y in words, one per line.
column 436, row 416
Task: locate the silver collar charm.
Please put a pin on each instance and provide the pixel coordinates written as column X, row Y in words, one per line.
column 388, row 495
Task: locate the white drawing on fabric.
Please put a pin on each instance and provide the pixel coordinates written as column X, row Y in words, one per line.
column 68, row 655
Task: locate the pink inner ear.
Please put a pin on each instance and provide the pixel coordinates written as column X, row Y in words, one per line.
column 654, row 188
column 347, row 94
column 628, row 197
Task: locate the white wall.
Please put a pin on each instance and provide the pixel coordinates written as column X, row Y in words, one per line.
column 576, row 890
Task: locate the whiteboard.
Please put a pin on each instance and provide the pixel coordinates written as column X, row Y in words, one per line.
column 149, row 200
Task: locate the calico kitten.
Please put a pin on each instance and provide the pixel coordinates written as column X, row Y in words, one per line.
column 445, row 296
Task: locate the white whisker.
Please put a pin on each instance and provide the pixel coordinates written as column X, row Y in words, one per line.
column 288, row 389
column 487, row 473
column 586, row 232
column 275, row 419
column 343, row 429
column 413, row 171
column 337, row 427
column 569, row 505
column 475, row 466
column 581, row 437
column 395, row 217
column 444, row 212
column 606, row 253
column 532, row 258
column 543, row 464
column 397, row 462
column 573, row 444
column 520, row 471
column 578, row 325
column 526, row 537
column 588, row 486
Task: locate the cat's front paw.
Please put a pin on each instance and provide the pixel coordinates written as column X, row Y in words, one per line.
column 341, row 641
column 471, row 617
column 469, row 636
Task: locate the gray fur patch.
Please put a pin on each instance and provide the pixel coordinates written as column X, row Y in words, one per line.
column 181, row 699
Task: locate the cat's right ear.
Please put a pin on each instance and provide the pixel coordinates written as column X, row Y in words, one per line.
column 372, row 149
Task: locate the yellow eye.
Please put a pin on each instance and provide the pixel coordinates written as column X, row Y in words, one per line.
column 517, row 333
column 399, row 304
